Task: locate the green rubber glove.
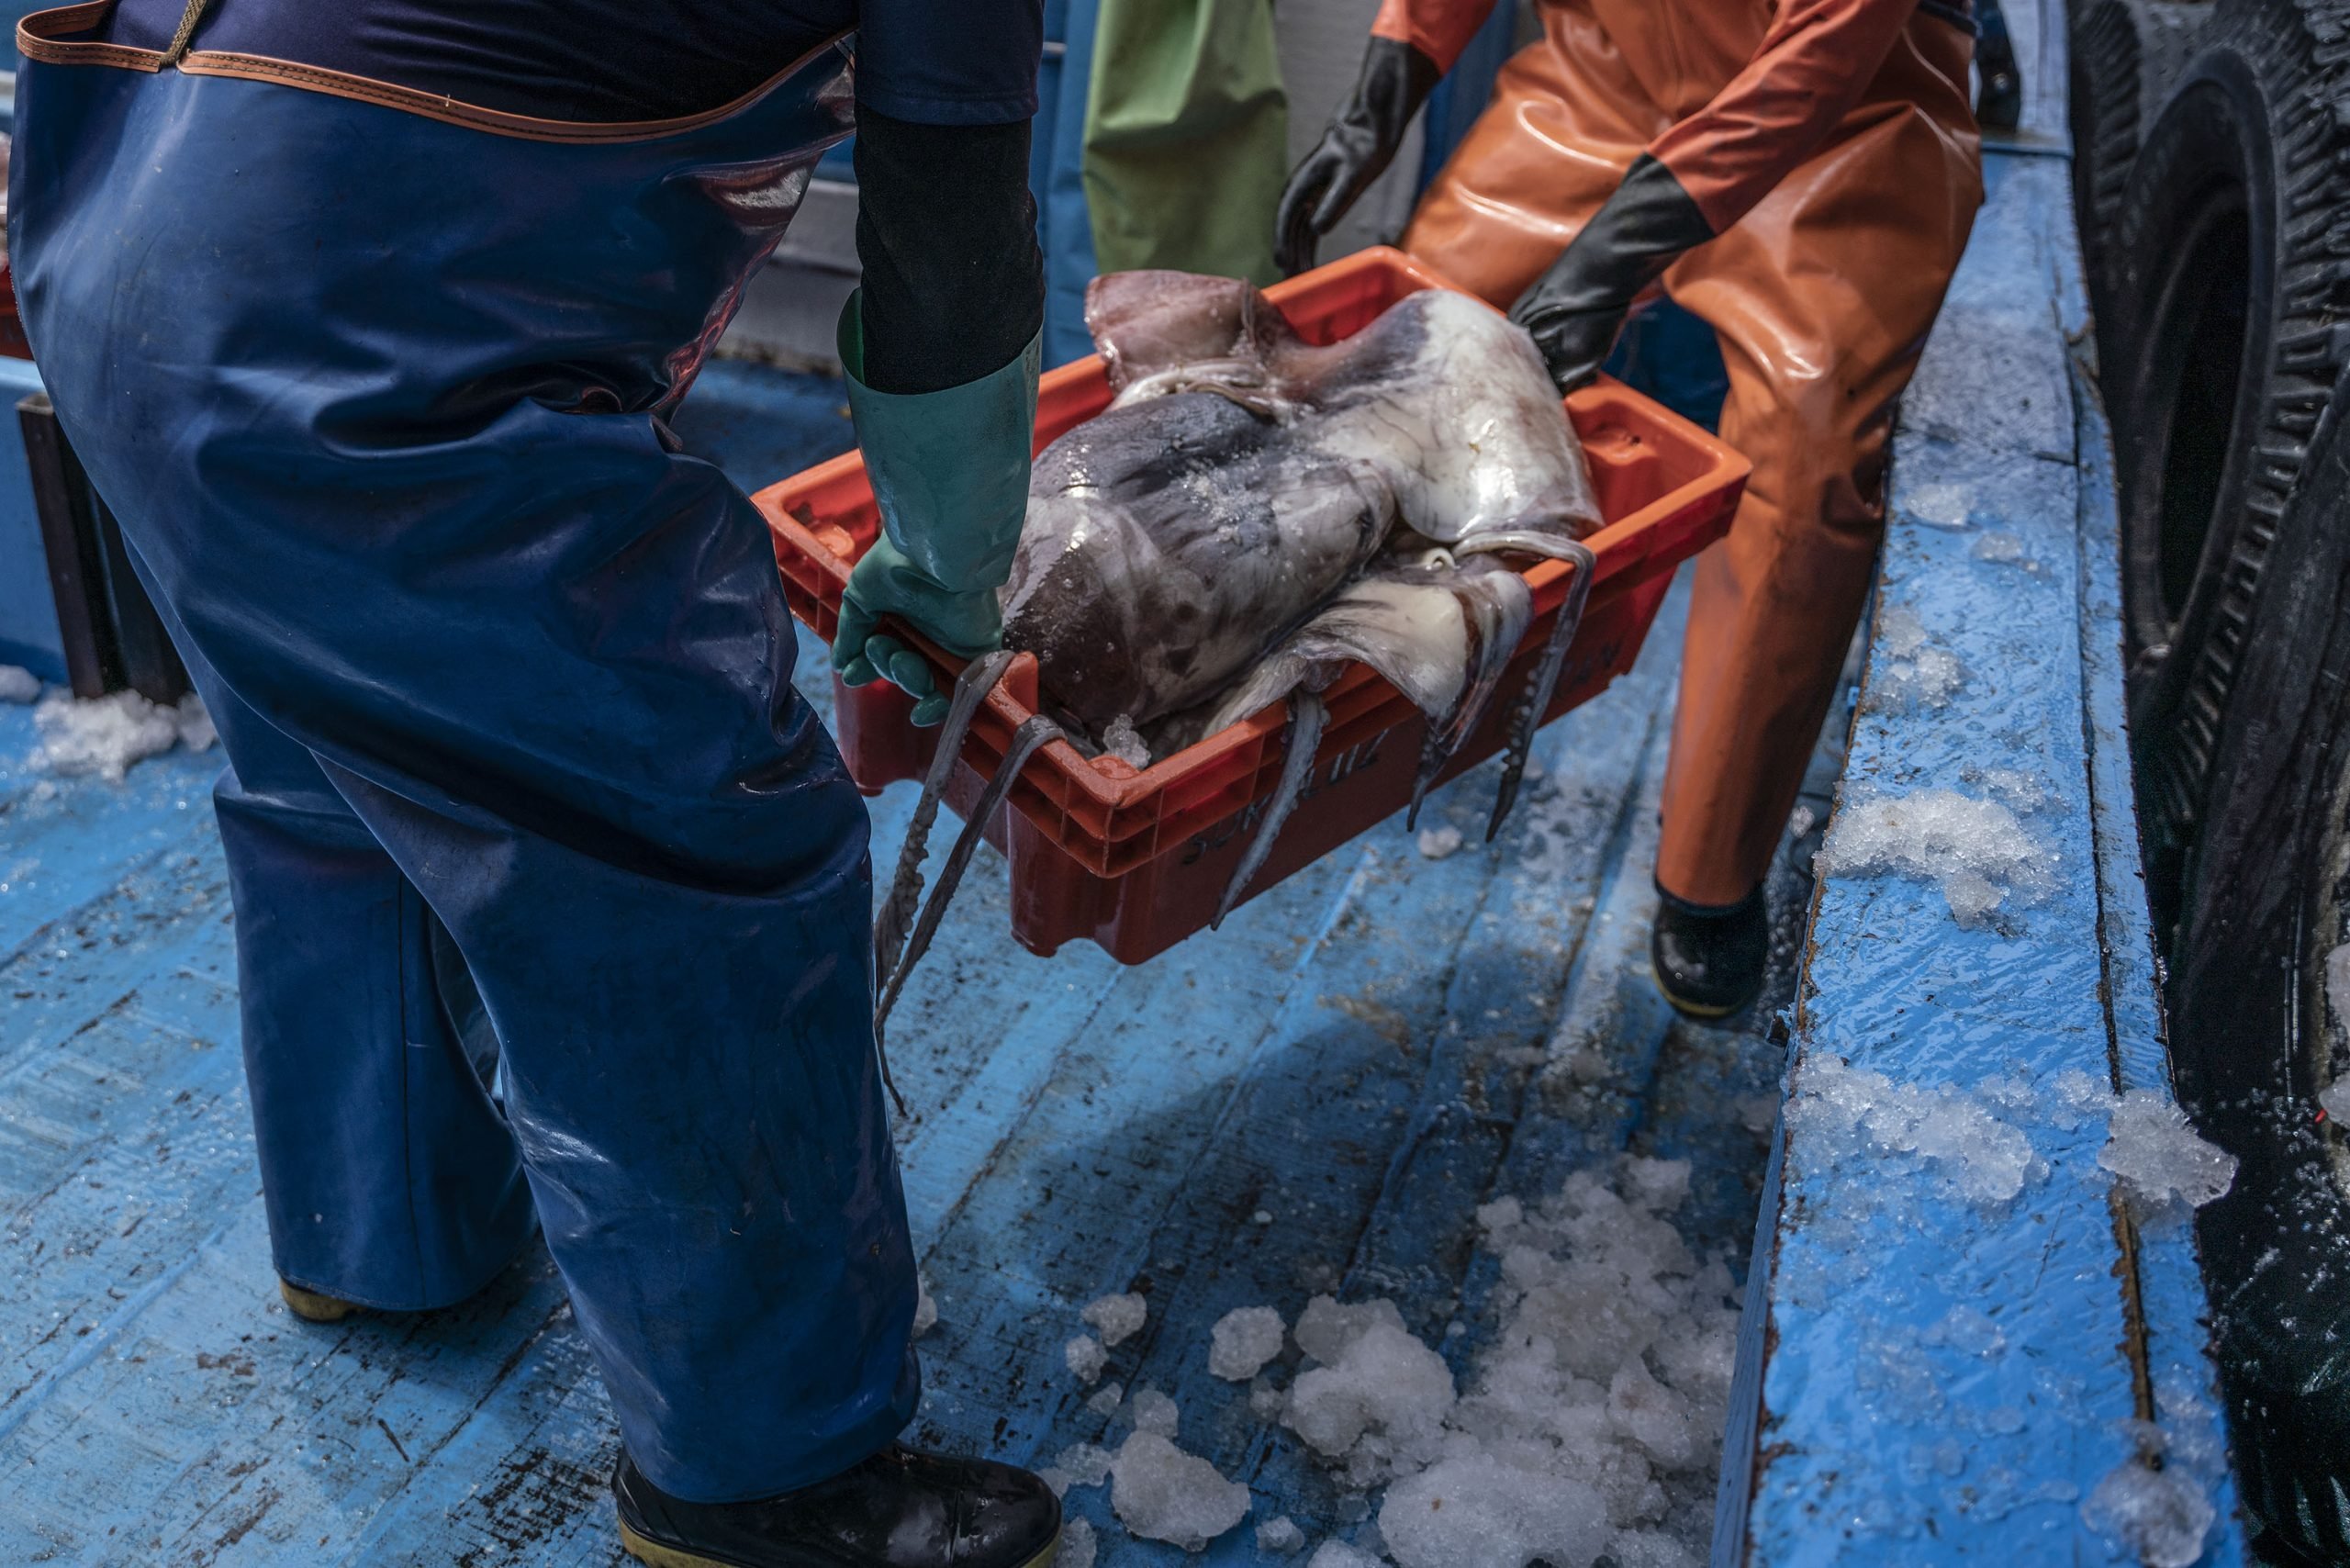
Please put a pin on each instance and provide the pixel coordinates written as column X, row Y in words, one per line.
column 950, row 474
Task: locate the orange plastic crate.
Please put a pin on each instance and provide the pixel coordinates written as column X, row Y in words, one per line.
column 1137, row 860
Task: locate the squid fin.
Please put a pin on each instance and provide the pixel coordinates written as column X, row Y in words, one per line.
column 897, row 917
column 1027, row 742
column 1545, row 682
column 1306, row 716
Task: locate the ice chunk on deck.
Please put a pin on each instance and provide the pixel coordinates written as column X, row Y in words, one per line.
column 1380, row 1405
column 1084, row 1464
column 1841, row 1113
column 108, row 734
column 1160, row 1492
column 2149, row 1145
column 18, row 684
column 1155, row 1411
column 1115, row 1318
column 2337, row 983
column 1649, row 1549
column 1437, row 842
column 925, row 1307
column 1591, row 1422
column 1280, row 1537
column 1078, row 1545
column 1650, row 1415
column 1479, row 1512
column 1244, row 1340
column 1913, row 672
column 1977, row 850
column 1327, row 1328
column 2159, row 1517
column 1086, row 1358
column 1939, row 505
column 1338, row 1554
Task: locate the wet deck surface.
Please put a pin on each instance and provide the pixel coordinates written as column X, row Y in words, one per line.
column 1364, row 1055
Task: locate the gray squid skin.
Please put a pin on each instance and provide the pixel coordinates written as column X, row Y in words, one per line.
column 1242, row 479
column 1169, row 544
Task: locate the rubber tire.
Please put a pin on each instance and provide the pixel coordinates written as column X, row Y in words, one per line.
column 2126, row 56
column 2272, row 891
column 2254, row 116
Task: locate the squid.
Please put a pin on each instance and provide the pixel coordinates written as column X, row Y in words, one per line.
column 1253, row 513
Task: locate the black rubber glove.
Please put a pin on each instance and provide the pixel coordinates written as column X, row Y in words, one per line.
column 1576, row 309
column 1361, row 142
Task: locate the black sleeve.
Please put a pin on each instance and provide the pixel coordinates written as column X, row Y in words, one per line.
column 947, row 235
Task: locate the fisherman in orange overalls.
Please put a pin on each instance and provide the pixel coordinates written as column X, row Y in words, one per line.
column 1801, row 174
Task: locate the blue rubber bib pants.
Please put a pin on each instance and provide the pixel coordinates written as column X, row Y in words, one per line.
column 378, row 393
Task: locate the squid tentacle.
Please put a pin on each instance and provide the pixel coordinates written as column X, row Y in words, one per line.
column 897, row 915
column 1308, row 716
column 1026, row 741
column 1545, row 682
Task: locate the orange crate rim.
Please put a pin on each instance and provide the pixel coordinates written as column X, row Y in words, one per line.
column 1108, row 815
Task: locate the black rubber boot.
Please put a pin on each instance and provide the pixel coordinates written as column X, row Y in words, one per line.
column 899, row 1509
column 1709, row 958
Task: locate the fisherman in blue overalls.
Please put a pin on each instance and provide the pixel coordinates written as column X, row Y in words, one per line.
column 367, row 318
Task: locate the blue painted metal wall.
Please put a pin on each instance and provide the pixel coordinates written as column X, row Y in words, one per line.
column 1927, row 1378
column 28, row 634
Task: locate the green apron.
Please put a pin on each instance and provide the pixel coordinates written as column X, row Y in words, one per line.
column 1186, row 137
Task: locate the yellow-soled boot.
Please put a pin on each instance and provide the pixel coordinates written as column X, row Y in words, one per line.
column 312, row 1307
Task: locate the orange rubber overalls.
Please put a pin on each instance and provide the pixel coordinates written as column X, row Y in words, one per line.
column 1832, row 147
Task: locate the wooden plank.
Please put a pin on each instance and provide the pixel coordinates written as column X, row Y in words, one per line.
column 1857, row 1382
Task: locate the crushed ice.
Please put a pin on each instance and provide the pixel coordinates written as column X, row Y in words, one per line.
column 1116, row 1318
column 1588, row 1426
column 1377, row 1408
column 106, row 735
column 1086, row 1358
column 2158, row 1517
column 1977, row 850
column 1160, row 1492
column 1942, row 505
column 1280, row 1537
column 1437, row 842
column 1244, row 1340
column 2157, row 1155
column 1155, row 1411
column 1123, row 741
column 1913, row 672
column 2002, row 547
column 1846, row 1115
column 2335, row 1096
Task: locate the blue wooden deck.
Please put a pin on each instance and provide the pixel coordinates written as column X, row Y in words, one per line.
column 1364, row 1055
column 1930, row 1377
